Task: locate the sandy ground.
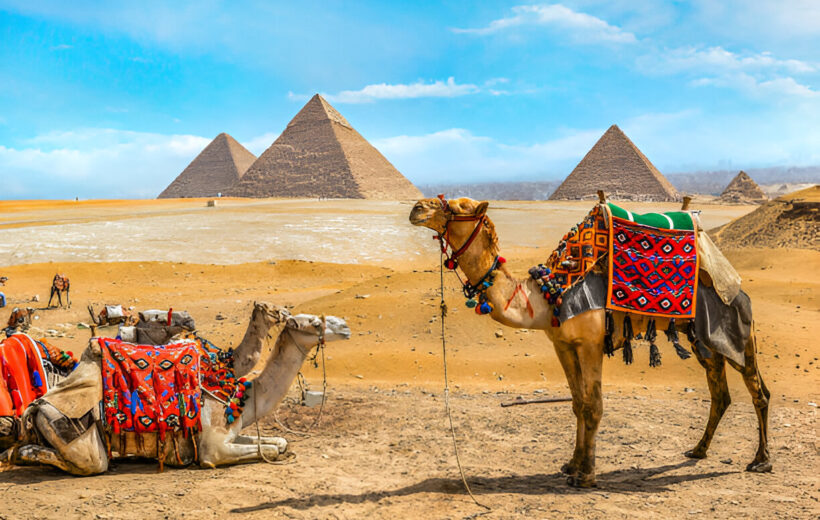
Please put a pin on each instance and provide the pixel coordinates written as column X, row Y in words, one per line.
column 383, row 447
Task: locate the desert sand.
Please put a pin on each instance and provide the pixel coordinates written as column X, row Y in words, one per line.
column 382, row 449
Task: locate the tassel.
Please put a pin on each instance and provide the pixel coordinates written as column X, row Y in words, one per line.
column 176, row 448
column 160, row 453
column 609, row 328
column 654, row 356
column 628, row 335
column 651, row 335
column 672, row 336
column 690, row 334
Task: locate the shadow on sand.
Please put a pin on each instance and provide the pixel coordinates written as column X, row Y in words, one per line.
column 622, row 481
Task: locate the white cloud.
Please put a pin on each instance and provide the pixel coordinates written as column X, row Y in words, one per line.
column 259, row 144
column 456, row 155
column 687, row 140
column 62, row 47
column 771, row 89
column 581, row 26
column 420, row 89
column 97, row 162
column 718, row 59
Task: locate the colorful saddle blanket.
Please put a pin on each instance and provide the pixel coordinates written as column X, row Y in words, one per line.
column 652, row 271
column 25, row 365
column 151, row 389
column 653, row 261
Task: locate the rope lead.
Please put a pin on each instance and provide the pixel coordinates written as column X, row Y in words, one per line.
column 443, row 309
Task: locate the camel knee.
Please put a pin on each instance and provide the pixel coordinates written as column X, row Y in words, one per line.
column 592, row 412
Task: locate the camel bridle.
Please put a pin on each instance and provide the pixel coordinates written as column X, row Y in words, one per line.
column 451, row 259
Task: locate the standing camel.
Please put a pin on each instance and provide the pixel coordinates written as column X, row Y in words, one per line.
column 579, row 341
column 59, row 285
column 81, row 450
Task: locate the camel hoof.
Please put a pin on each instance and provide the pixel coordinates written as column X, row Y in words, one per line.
column 695, row 454
column 582, row 482
column 760, row 467
column 569, row 469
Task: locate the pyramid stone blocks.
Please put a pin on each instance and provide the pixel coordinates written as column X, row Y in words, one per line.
column 616, row 166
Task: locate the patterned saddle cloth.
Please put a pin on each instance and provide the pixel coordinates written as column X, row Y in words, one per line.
column 26, row 367
column 652, row 260
column 151, row 389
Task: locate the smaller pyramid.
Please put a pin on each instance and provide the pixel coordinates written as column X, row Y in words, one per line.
column 743, row 190
column 616, row 166
column 320, row 154
column 221, row 164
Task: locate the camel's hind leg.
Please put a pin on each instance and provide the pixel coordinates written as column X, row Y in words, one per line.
column 760, row 399
column 719, row 390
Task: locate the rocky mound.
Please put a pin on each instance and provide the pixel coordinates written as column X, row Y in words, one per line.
column 792, row 220
column 743, row 190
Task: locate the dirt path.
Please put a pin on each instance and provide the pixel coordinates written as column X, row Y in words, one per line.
column 385, row 452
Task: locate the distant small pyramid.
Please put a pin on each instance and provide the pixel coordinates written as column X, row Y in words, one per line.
column 320, row 155
column 743, row 190
column 616, row 166
column 215, row 170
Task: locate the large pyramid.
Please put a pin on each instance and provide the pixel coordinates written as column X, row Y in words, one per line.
column 616, row 166
column 743, row 190
column 215, row 170
column 320, row 155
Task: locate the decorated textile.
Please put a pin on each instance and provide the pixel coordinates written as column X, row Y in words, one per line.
column 652, row 271
column 669, row 220
column 580, row 249
column 151, row 389
column 220, row 381
column 22, row 375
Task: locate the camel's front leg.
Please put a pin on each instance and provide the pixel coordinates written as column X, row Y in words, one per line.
column 250, row 439
column 590, row 360
column 50, row 297
column 236, row 453
column 569, row 362
column 33, row 455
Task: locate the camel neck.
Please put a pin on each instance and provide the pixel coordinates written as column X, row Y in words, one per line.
column 271, row 385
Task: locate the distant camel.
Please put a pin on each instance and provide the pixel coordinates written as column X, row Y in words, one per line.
column 59, row 285
column 579, row 341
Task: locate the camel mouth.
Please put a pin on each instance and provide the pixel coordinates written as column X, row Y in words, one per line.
column 417, row 220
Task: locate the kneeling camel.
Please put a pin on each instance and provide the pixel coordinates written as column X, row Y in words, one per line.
column 80, row 449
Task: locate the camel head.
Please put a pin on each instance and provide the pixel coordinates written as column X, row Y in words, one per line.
column 435, row 213
column 269, row 315
column 306, row 329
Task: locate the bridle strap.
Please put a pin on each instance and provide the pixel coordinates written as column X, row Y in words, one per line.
column 451, row 217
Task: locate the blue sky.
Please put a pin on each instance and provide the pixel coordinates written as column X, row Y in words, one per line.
column 113, row 99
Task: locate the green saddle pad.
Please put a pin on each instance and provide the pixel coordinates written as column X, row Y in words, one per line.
column 670, row 220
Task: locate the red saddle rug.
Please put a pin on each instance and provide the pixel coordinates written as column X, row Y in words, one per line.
column 151, row 389
column 652, row 271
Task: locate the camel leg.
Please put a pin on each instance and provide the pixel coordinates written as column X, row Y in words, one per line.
column 760, row 399
column 236, row 453
column 84, row 455
column 67, row 298
column 50, row 297
column 251, row 439
column 569, row 362
column 719, row 390
column 590, row 359
column 33, row 455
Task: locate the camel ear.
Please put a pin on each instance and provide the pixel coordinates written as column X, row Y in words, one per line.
column 482, row 208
